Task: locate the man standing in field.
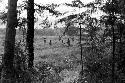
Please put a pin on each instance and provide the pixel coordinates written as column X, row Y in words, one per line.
column 44, row 40
column 59, row 38
column 50, row 43
column 68, row 42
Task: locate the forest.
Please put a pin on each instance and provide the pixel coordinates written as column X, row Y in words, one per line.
column 76, row 48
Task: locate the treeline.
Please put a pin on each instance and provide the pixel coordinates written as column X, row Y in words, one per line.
column 45, row 32
column 42, row 32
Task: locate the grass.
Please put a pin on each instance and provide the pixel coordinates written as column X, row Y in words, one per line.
column 64, row 60
column 59, row 55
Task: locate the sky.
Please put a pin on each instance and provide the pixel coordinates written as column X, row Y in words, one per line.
column 62, row 8
column 44, row 2
column 59, row 1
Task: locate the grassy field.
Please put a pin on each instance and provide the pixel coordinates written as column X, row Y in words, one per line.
column 59, row 55
column 64, row 59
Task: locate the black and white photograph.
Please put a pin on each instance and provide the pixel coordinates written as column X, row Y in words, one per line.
column 62, row 41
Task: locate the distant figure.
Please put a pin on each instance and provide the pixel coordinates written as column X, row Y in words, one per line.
column 50, row 42
column 72, row 38
column 68, row 42
column 59, row 38
column 62, row 41
column 44, row 40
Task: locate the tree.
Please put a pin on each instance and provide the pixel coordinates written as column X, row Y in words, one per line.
column 8, row 57
column 115, row 23
column 30, row 32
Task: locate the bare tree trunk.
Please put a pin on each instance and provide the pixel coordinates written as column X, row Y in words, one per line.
column 30, row 32
column 8, row 57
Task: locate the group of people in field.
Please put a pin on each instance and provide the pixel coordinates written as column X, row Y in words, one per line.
column 68, row 42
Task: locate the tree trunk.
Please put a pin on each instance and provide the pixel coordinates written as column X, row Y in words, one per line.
column 30, row 32
column 8, row 57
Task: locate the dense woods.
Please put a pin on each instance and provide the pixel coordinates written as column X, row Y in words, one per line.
column 92, row 49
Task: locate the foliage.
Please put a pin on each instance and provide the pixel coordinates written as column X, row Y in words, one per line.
column 48, row 73
column 3, row 17
column 45, row 32
column 95, row 39
column 23, row 74
column 118, row 34
column 50, row 8
column 97, row 47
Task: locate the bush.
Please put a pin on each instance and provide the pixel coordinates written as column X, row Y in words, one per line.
column 48, row 73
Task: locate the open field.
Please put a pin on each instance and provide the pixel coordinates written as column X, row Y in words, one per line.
column 61, row 56
column 62, row 61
